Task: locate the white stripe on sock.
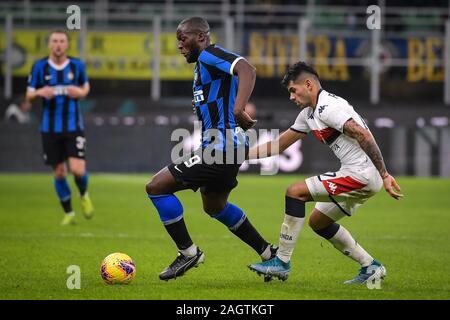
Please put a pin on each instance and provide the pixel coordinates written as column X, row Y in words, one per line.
column 189, row 252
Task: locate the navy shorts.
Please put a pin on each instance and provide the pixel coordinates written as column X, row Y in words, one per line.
column 58, row 147
column 194, row 173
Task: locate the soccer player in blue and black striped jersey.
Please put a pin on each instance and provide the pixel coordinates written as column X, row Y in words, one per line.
column 61, row 81
column 223, row 83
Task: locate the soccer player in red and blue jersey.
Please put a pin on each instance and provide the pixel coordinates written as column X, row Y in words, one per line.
column 60, row 81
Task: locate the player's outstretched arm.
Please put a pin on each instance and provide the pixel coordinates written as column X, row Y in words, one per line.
column 370, row 147
column 274, row 147
column 246, row 74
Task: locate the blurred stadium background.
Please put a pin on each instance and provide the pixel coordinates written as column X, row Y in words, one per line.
column 397, row 77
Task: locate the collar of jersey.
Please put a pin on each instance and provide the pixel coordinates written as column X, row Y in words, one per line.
column 58, row 67
column 211, row 45
column 317, row 99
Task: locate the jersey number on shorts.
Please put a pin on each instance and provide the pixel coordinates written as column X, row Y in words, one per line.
column 192, row 161
column 80, row 142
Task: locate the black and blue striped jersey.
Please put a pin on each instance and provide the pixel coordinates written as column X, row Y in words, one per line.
column 61, row 113
column 215, row 88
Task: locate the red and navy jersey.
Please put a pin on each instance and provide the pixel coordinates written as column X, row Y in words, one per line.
column 326, row 121
column 215, row 89
column 60, row 114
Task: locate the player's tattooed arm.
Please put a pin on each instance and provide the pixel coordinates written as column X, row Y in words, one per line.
column 367, row 143
column 370, row 147
column 277, row 146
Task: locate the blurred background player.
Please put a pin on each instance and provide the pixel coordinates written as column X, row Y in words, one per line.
column 223, row 83
column 18, row 111
column 61, row 81
column 334, row 122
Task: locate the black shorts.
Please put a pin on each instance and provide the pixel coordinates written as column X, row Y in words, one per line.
column 58, row 147
column 194, row 173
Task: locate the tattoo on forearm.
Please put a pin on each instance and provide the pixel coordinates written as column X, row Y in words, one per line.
column 367, row 143
column 373, row 152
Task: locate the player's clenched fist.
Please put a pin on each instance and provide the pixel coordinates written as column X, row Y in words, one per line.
column 244, row 120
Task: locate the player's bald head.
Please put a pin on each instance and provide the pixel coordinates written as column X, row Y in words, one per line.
column 194, row 24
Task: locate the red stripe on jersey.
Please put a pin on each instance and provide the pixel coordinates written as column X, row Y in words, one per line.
column 342, row 185
column 325, row 134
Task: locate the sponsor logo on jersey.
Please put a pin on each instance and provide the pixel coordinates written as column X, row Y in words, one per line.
column 60, row 90
column 321, row 108
column 198, row 96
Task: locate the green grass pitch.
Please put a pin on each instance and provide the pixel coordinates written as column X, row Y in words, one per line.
column 411, row 237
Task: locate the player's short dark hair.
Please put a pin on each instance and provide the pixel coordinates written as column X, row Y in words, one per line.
column 294, row 71
column 196, row 24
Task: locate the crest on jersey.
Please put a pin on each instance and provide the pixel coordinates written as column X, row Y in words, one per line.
column 70, row 75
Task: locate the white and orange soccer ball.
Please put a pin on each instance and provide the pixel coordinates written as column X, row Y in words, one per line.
column 118, row 268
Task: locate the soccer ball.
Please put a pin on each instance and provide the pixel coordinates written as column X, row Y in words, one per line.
column 118, row 268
